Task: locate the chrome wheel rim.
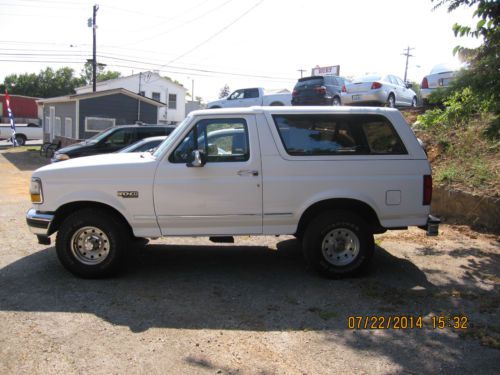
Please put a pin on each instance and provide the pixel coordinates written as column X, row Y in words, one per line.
column 90, row 245
column 391, row 102
column 340, row 247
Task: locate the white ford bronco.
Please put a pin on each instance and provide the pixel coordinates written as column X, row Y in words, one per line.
column 332, row 177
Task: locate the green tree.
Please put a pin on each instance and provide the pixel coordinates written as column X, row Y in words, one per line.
column 48, row 83
column 483, row 74
column 225, row 91
column 101, row 74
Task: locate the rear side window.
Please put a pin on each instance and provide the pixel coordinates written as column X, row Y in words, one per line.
column 251, row 93
column 310, row 135
column 152, row 132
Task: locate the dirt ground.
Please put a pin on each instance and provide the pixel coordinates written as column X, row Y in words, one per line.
column 187, row 306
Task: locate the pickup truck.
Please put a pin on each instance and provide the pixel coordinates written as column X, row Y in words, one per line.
column 24, row 132
column 252, row 97
column 330, row 176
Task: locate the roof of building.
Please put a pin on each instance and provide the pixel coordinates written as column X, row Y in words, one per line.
column 74, row 97
column 102, row 83
column 20, row 96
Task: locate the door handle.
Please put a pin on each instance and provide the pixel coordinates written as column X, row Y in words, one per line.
column 246, row 172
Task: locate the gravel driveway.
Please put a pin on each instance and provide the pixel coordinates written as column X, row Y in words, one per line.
column 187, row 306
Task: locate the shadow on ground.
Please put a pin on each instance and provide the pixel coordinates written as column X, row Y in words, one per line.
column 250, row 288
column 28, row 159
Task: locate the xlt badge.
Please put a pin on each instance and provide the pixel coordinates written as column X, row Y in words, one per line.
column 128, row 194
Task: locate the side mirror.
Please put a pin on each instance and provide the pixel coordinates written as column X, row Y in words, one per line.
column 198, row 159
column 409, row 85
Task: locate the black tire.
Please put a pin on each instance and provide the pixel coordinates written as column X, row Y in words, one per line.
column 20, row 139
column 214, row 107
column 336, row 101
column 391, row 101
column 112, row 239
column 276, row 104
column 351, row 257
column 414, row 102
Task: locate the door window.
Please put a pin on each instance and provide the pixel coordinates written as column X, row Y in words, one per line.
column 251, row 93
column 222, row 140
column 119, row 138
column 238, row 94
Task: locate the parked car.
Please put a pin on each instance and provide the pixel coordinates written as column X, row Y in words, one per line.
column 111, row 140
column 440, row 77
column 251, row 97
column 146, row 144
column 318, row 90
column 377, row 89
column 331, row 176
column 24, row 132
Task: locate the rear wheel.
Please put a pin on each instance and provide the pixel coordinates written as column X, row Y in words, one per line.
column 336, row 101
column 275, row 104
column 338, row 243
column 91, row 243
column 391, row 101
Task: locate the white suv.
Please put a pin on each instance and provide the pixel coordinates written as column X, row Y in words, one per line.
column 332, row 177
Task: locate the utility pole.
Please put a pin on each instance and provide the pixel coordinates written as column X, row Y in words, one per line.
column 301, row 72
column 94, row 62
column 139, row 100
column 407, row 54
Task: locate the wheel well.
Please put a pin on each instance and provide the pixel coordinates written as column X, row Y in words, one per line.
column 65, row 210
column 214, row 107
column 352, row 205
column 276, row 104
column 21, row 135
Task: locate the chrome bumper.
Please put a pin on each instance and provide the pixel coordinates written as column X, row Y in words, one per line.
column 39, row 223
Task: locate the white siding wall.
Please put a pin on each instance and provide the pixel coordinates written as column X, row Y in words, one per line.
column 150, row 82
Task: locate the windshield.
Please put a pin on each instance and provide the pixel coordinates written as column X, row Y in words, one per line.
column 166, row 143
column 99, row 136
column 370, row 78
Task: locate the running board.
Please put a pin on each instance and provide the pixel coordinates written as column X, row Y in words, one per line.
column 222, row 239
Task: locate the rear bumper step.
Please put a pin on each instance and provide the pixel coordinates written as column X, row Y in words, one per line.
column 432, row 225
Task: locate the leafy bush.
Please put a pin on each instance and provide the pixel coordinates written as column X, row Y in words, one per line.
column 459, row 108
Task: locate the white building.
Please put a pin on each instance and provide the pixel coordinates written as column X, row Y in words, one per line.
column 150, row 85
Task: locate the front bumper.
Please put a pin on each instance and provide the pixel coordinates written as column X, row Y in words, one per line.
column 39, row 223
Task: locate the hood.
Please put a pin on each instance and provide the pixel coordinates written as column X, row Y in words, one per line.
column 216, row 102
column 74, row 148
column 113, row 160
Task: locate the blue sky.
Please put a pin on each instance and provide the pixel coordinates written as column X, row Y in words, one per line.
column 239, row 43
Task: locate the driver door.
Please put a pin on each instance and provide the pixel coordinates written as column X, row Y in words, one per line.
column 222, row 197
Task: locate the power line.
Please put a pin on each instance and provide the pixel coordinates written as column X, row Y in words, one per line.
column 215, row 34
column 179, row 26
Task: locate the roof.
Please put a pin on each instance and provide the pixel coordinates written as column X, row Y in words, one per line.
column 101, row 83
column 20, row 96
column 74, row 97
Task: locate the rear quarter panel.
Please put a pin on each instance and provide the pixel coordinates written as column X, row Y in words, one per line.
column 293, row 183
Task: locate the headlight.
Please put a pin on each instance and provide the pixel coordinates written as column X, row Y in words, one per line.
column 60, row 157
column 36, row 190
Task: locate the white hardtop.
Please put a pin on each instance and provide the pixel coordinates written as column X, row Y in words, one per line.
column 294, row 109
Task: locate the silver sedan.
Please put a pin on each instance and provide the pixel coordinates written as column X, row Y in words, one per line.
column 378, row 89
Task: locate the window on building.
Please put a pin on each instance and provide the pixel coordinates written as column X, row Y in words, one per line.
column 57, row 126
column 172, row 101
column 97, row 124
column 68, row 127
column 156, row 96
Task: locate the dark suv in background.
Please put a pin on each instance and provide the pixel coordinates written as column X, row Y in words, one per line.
column 111, row 140
column 318, row 90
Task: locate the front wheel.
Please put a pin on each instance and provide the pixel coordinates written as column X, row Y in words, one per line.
column 91, row 243
column 414, row 102
column 338, row 243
